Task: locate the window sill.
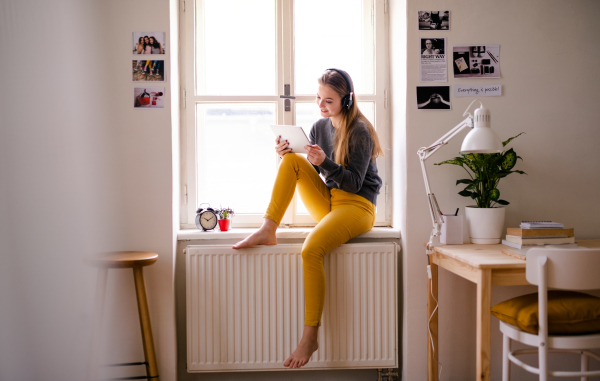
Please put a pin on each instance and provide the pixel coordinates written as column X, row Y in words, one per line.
column 283, row 233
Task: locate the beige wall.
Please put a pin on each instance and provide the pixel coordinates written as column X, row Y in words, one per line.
column 550, row 79
column 81, row 171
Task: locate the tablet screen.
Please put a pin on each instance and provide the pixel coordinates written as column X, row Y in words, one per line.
column 294, row 135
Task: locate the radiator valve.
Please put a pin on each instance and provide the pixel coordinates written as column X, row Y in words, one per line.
column 387, row 375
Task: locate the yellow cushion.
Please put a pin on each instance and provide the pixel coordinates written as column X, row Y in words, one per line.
column 569, row 313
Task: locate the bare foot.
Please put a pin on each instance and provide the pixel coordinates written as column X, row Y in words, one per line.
column 305, row 349
column 263, row 236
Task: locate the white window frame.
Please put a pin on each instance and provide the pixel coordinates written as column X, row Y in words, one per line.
column 285, row 69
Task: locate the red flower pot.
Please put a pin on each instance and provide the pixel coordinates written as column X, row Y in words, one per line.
column 224, row 225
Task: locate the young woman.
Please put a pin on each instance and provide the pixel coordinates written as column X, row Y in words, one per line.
column 140, row 45
column 147, row 46
column 344, row 148
column 156, row 48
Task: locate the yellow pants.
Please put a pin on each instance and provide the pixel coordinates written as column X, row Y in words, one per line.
column 341, row 216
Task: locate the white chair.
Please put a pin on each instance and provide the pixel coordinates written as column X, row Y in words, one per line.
column 566, row 269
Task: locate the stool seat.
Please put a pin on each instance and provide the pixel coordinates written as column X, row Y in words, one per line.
column 122, row 259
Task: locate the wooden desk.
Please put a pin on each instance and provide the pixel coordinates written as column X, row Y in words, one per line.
column 486, row 266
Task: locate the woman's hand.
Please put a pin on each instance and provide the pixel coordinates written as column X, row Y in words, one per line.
column 281, row 148
column 315, row 154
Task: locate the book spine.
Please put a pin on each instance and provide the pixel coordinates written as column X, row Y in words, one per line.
column 539, row 241
column 569, row 232
column 511, row 244
column 519, row 246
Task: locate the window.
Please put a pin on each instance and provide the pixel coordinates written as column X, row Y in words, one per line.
column 239, row 57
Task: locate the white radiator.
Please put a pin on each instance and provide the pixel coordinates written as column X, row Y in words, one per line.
column 245, row 309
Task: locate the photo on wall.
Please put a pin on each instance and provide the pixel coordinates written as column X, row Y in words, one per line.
column 434, row 20
column 481, row 61
column 433, row 98
column 432, row 60
column 149, row 43
column 149, row 97
column 148, row 70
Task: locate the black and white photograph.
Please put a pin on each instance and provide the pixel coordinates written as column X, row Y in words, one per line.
column 432, row 60
column 433, row 98
column 148, row 70
column 434, row 20
column 149, row 43
column 149, row 97
column 476, row 61
column 431, row 46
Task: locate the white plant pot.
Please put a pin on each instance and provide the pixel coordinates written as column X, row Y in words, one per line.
column 485, row 225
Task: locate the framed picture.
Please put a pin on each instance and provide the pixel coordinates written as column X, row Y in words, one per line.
column 434, row 20
column 433, row 98
column 149, row 97
column 149, row 43
column 148, row 70
column 476, row 61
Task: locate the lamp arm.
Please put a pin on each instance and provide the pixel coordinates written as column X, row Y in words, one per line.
column 424, row 153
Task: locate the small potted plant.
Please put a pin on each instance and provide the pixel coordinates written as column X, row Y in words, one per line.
column 485, row 221
column 225, row 215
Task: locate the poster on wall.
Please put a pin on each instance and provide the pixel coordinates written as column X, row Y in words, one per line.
column 432, row 60
column 477, row 90
column 480, row 61
column 434, row 20
column 433, row 98
column 149, row 43
column 149, row 97
column 148, row 70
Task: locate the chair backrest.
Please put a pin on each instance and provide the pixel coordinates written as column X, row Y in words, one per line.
column 571, row 269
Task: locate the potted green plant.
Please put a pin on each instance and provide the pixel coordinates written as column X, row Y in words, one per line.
column 225, row 215
column 485, row 221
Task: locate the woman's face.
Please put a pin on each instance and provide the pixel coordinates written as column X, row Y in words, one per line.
column 146, row 40
column 152, row 40
column 141, row 40
column 329, row 101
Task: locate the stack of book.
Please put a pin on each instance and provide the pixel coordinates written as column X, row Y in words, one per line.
column 539, row 233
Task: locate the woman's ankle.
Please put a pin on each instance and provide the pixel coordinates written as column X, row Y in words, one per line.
column 269, row 225
column 310, row 333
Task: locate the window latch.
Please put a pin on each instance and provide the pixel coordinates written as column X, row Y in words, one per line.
column 286, row 95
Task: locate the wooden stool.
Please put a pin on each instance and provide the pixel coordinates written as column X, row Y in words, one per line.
column 119, row 260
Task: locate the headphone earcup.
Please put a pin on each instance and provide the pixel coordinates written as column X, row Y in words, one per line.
column 345, row 101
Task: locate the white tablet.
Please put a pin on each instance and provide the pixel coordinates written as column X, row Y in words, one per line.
column 294, row 135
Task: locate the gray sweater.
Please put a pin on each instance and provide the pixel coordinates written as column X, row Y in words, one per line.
column 360, row 175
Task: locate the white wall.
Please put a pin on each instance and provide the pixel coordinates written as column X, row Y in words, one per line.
column 81, row 172
column 549, row 73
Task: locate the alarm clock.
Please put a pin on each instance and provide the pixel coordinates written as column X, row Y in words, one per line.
column 206, row 218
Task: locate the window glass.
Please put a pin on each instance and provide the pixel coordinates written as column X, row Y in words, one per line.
column 235, row 52
column 236, row 161
column 333, row 34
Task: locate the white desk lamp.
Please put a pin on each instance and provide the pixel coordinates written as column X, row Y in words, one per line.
column 481, row 139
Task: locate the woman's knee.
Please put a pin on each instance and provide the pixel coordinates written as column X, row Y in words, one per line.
column 312, row 254
column 290, row 157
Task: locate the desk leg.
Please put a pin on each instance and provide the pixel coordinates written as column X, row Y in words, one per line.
column 484, row 291
column 432, row 353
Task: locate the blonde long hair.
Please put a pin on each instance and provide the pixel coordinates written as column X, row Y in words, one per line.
column 337, row 83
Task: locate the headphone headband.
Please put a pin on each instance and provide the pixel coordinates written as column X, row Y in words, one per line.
column 348, row 99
